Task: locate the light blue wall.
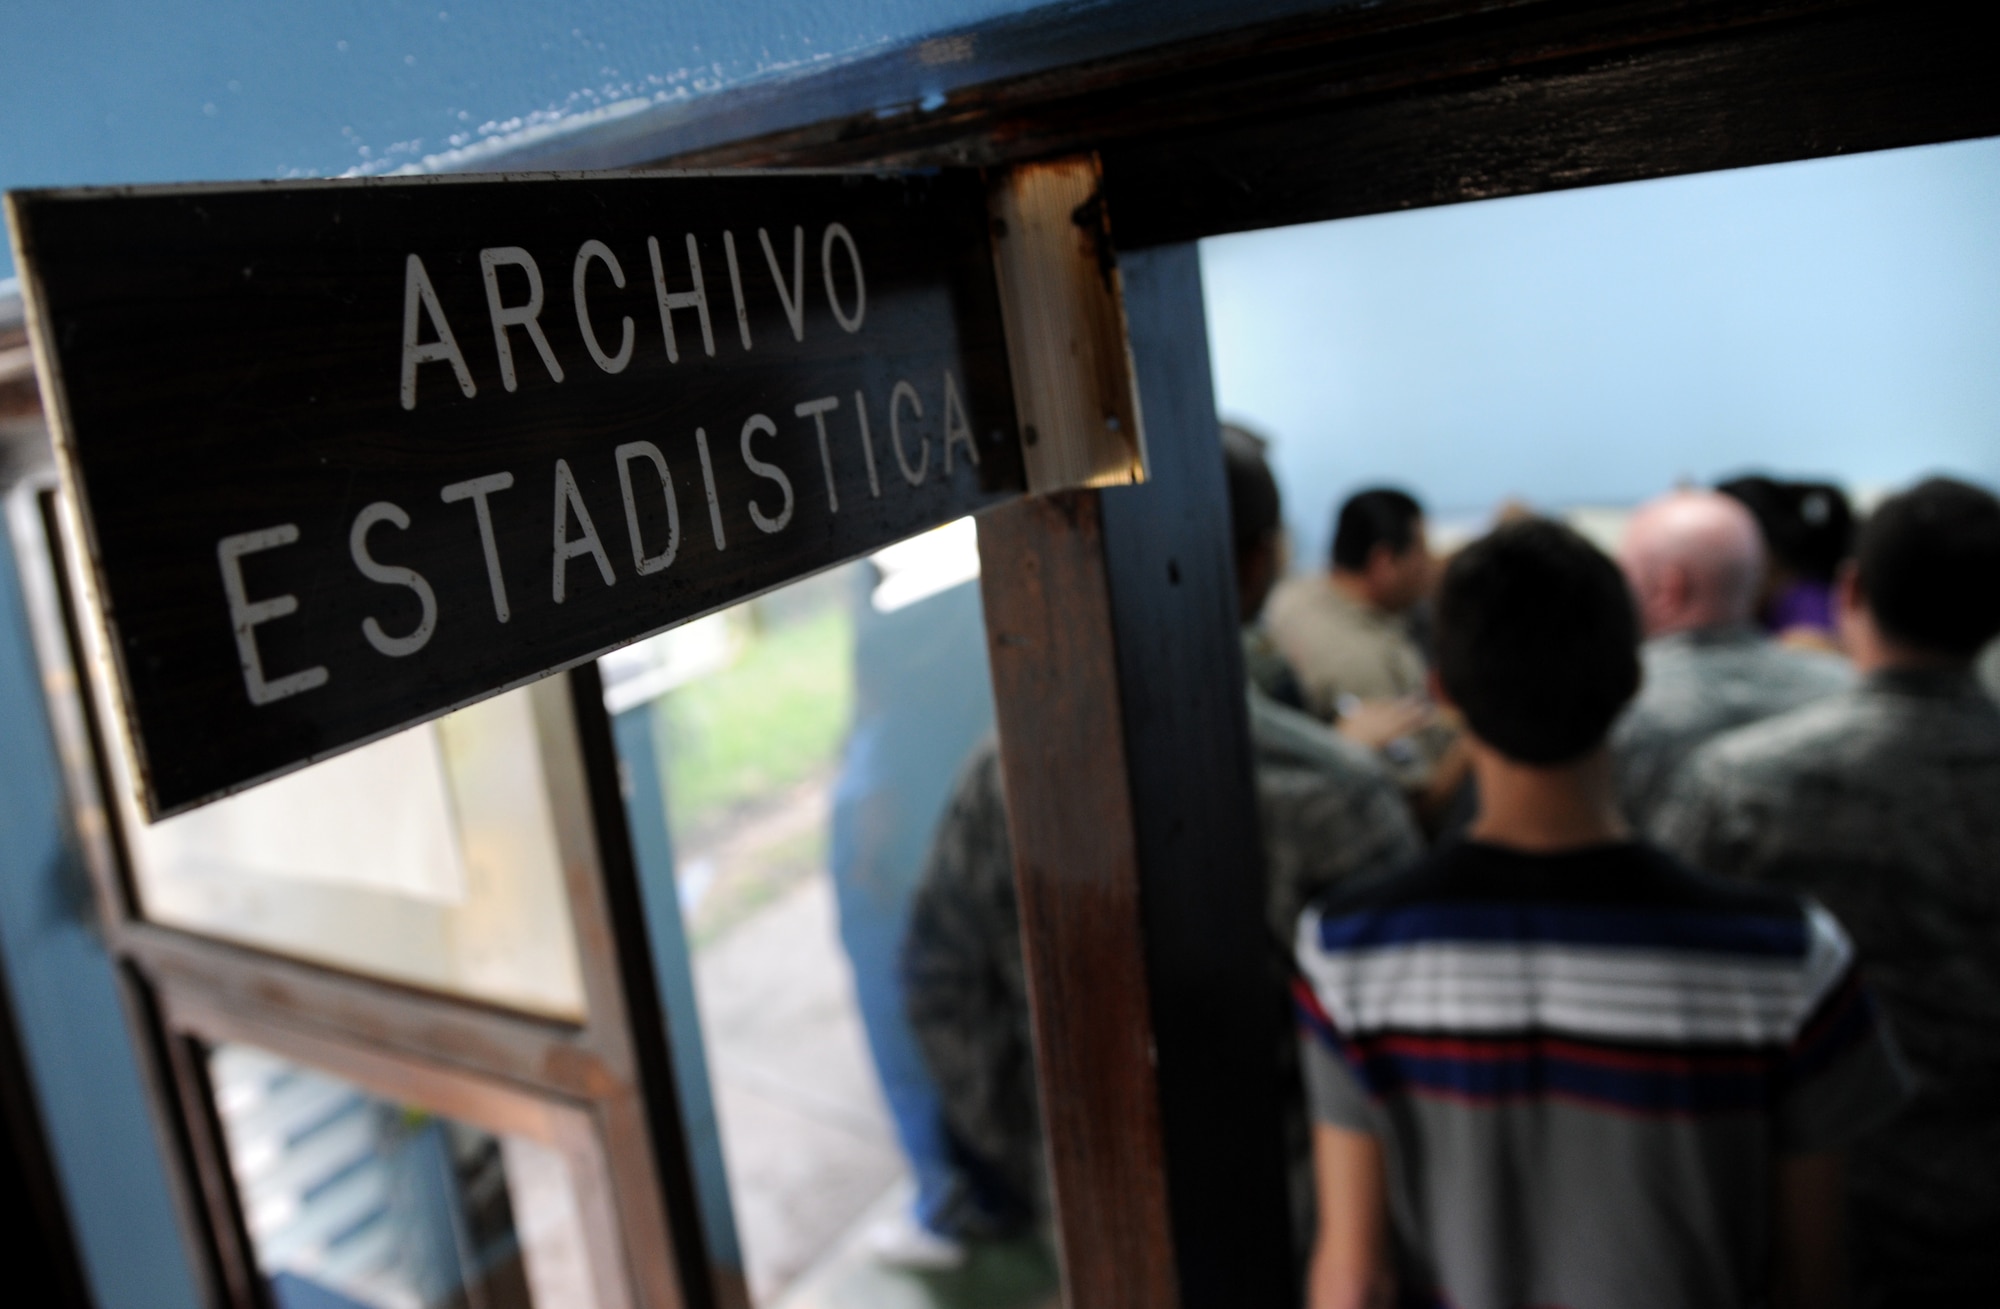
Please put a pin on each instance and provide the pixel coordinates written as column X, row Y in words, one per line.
column 1839, row 318
column 99, row 91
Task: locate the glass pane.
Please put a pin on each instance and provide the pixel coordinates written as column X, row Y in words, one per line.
column 799, row 754
column 353, row 1200
column 429, row 858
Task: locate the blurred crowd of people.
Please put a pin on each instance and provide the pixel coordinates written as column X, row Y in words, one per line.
column 1642, row 914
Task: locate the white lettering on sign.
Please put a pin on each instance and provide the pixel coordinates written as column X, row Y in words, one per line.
column 752, row 425
column 957, row 427
column 736, row 286
column 848, row 306
column 642, row 563
column 817, row 411
column 904, row 391
column 246, row 614
column 418, row 291
column 708, row 484
column 839, row 232
column 573, row 529
column 599, row 251
column 696, row 299
column 476, row 490
column 794, row 303
column 867, row 445
column 396, row 647
column 568, row 498
column 526, row 315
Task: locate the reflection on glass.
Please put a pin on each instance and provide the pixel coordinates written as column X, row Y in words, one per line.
column 356, row 1201
column 429, row 858
column 805, row 746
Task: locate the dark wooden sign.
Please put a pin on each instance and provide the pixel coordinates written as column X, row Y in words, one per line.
column 350, row 455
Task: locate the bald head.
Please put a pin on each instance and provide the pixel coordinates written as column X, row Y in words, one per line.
column 1695, row 559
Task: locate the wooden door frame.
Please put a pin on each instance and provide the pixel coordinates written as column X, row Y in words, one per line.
column 184, row 990
column 1111, row 614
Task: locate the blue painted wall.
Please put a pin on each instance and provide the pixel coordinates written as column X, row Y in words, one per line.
column 1839, row 317
column 100, row 91
column 82, row 1067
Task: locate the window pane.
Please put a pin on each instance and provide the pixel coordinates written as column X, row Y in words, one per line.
column 429, row 858
column 352, row 1200
column 801, row 750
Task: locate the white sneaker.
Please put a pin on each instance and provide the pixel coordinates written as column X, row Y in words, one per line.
column 900, row 1241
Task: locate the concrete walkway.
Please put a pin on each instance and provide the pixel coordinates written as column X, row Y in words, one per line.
column 804, row 1128
column 812, row 1158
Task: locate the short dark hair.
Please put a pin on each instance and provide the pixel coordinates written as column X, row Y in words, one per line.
column 1379, row 516
column 1807, row 526
column 1930, row 567
column 1255, row 510
column 1537, row 641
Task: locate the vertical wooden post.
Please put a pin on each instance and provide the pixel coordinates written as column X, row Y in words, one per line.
column 1112, row 621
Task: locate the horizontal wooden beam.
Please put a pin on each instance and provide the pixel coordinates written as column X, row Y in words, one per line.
column 1835, row 81
column 1297, row 117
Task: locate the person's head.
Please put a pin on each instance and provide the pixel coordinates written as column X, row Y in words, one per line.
column 1256, row 518
column 1924, row 587
column 1808, row 527
column 1379, row 546
column 1537, row 642
column 1694, row 559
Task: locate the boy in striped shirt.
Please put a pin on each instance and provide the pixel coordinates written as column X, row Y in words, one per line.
column 1550, row 1066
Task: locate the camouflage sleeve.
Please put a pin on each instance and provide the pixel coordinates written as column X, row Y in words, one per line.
column 963, row 980
column 1639, row 760
column 1696, row 818
column 1843, row 1073
column 1319, row 830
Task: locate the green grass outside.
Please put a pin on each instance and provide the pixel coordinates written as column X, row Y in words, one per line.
column 775, row 717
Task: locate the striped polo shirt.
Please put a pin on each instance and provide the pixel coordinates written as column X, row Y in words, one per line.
column 1582, row 1067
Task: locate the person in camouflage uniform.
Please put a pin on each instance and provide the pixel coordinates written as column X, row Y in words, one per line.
column 1884, row 803
column 1694, row 560
column 1327, row 812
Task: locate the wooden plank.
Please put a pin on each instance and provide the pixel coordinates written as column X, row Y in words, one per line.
column 313, row 519
column 1059, row 298
column 649, row 1163
column 1844, row 79
column 483, row 1102
column 534, row 1052
column 578, row 1130
column 1219, row 1011
column 1069, row 808
column 1299, row 116
column 1111, row 620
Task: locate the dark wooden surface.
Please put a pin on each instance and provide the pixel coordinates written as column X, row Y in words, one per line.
column 1111, row 618
column 1070, row 812
column 230, row 360
column 1219, row 1016
column 1302, row 114
column 653, row 1098
column 1769, row 87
